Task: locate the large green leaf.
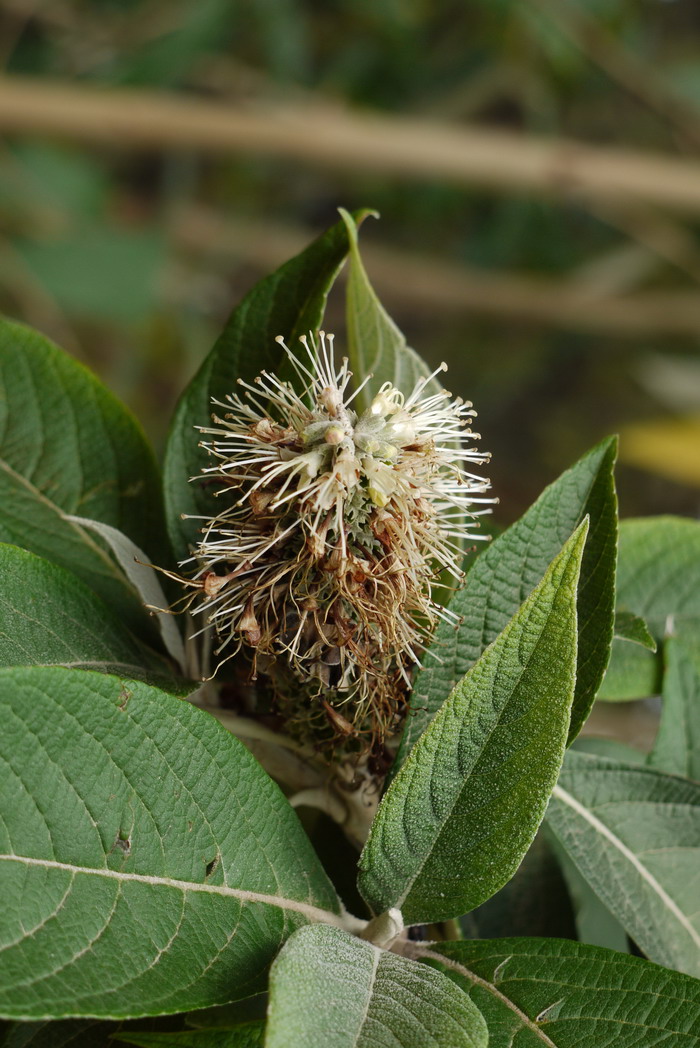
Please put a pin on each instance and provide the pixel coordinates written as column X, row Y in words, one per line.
column 507, row 571
column 330, row 990
column 460, row 815
column 550, row 993
column 30, row 520
column 147, row 862
column 658, row 578
column 634, row 834
column 677, row 747
column 73, row 441
column 290, row 302
column 376, row 346
column 49, row 617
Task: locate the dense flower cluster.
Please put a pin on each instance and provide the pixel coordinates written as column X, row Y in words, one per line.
column 334, row 525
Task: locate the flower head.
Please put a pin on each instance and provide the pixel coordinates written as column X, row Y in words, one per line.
column 334, row 525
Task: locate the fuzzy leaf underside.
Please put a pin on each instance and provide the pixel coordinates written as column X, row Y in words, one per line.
column 329, row 990
column 460, row 815
column 634, row 834
column 147, row 862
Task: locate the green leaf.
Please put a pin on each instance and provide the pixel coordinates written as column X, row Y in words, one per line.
column 550, row 993
column 659, row 573
column 633, row 672
column 289, row 302
column 30, row 520
column 144, row 579
column 147, row 863
column 658, row 578
column 376, row 346
column 48, row 616
column 677, row 747
column 328, row 988
column 248, row 1035
column 633, row 628
column 594, row 922
column 535, row 901
column 460, row 815
column 508, row 570
column 73, row 441
column 634, row 834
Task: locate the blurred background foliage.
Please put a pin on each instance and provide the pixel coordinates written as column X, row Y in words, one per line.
column 562, row 316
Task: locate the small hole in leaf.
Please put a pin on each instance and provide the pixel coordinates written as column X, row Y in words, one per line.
column 211, row 866
column 123, row 843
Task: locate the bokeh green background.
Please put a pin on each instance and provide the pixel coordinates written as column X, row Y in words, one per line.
column 131, row 256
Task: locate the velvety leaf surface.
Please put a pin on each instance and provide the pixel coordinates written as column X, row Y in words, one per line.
column 330, row 990
column 48, row 616
column 147, row 862
column 376, row 346
column 507, row 571
column 594, row 922
column 550, row 993
column 289, row 302
column 677, row 746
column 634, row 834
column 30, row 520
column 73, row 441
column 460, row 815
column 659, row 580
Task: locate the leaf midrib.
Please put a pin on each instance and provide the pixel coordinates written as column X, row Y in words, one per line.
column 421, row 954
column 566, row 798
column 314, row 913
column 465, row 781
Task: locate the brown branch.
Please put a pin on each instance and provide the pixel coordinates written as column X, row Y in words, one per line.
column 321, row 134
column 417, row 281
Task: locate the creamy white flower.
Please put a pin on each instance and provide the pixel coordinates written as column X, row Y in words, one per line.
column 334, row 525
